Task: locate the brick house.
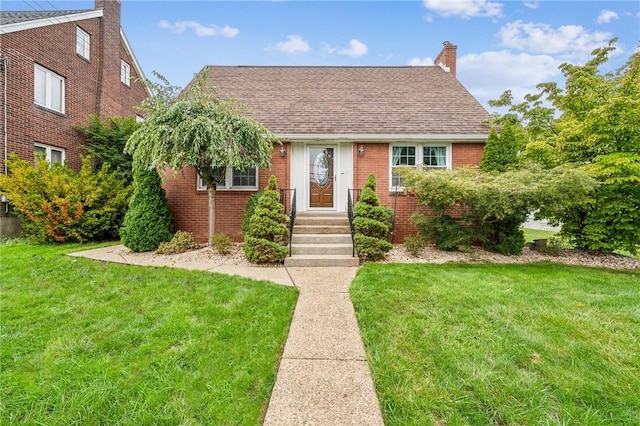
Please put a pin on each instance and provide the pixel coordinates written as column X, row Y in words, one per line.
column 58, row 68
column 338, row 125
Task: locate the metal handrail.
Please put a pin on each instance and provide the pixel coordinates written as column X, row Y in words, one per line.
column 291, row 211
column 351, row 215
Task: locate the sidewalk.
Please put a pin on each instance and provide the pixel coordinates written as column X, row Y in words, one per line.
column 323, row 378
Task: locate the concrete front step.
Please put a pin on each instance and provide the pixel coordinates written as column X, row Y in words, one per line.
column 323, row 220
column 321, row 229
column 321, row 239
column 341, row 249
column 315, row 260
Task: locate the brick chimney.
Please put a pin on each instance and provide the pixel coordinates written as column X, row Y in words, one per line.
column 447, row 58
column 109, row 74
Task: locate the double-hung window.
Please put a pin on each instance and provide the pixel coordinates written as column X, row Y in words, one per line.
column 125, row 72
column 51, row 154
column 83, row 43
column 48, row 89
column 428, row 155
column 235, row 179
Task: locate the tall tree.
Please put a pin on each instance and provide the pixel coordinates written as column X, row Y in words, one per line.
column 197, row 127
column 593, row 122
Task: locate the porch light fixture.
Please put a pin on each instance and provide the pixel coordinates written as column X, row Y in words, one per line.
column 283, row 151
column 361, row 151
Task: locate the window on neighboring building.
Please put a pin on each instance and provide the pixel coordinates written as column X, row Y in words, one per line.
column 125, row 72
column 48, row 89
column 235, row 179
column 52, row 154
column 83, row 43
column 433, row 156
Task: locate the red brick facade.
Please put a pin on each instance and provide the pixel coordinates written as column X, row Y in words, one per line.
column 91, row 86
column 189, row 206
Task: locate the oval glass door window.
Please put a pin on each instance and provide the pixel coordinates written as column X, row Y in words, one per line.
column 321, row 168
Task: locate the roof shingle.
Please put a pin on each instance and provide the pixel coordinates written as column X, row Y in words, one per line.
column 15, row 17
column 354, row 100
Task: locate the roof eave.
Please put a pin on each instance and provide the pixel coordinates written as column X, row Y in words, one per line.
column 350, row 137
column 37, row 23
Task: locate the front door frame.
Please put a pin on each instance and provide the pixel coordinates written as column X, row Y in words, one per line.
column 336, row 173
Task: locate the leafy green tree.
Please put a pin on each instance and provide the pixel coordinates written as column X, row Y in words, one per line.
column 147, row 223
column 268, row 233
column 502, row 151
column 371, row 222
column 467, row 205
column 593, row 122
column 105, row 142
column 198, row 128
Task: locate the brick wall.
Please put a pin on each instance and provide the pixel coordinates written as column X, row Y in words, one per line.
column 376, row 160
column 189, row 207
column 87, row 89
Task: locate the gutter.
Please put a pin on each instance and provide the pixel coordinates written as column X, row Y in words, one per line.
column 364, row 137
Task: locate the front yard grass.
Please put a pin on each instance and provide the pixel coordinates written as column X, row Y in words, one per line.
column 85, row 342
column 501, row 344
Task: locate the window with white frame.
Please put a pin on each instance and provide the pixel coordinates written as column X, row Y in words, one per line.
column 83, row 43
column 125, row 72
column 48, row 89
column 235, row 179
column 432, row 156
column 52, row 154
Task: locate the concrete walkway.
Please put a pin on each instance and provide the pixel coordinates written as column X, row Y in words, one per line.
column 323, row 378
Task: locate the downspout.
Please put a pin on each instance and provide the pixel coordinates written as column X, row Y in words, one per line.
column 4, row 64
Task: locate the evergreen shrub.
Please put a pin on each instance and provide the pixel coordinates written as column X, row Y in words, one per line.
column 268, row 234
column 147, row 222
column 371, row 223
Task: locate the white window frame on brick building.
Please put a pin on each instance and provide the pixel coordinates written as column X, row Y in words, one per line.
column 234, row 179
column 52, row 154
column 125, row 72
column 48, row 88
column 428, row 155
column 83, row 43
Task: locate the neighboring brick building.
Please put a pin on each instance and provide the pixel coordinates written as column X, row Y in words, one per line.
column 57, row 69
column 338, row 125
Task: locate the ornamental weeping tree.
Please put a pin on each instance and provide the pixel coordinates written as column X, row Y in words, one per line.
column 198, row 128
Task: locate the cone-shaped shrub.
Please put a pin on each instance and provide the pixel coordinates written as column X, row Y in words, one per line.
column 147, row 223
column 265, row 242
column 371, row 223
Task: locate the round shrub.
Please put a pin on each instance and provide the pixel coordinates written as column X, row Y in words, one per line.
column 147, row 223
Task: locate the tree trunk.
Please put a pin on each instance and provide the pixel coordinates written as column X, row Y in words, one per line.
column 211, row 190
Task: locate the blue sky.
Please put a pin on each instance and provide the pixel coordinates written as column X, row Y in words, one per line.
column 501, row 44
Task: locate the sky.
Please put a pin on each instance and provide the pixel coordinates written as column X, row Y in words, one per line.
column 502, row 45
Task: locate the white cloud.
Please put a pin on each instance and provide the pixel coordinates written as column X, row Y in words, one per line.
column 569, row 40
column 464, row 8
column 356, row 48
column 294, row 44
column 532, row 4
column 488, row 74
column 200, row 30
column 420, row 62
column 606, row 16
column 428, row 19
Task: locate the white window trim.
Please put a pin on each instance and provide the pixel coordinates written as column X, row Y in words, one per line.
column 125, row 77
column 48, row 150
column 419, row 157
column 48, row 75
column 202, row 186
column 86, row 46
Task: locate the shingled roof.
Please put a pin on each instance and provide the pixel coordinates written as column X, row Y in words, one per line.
column 354, row 100
column 7, row 18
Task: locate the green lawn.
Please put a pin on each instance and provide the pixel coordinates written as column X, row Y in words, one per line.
column 537, row 234
column 85, row 342
column 502, row 344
